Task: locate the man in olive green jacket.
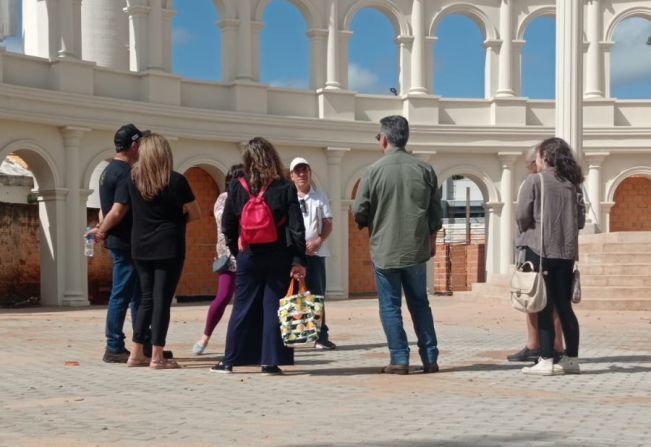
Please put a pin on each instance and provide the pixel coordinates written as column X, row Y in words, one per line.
column 399, row 201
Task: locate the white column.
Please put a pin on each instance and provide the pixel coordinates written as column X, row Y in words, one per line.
column 318, row 57
column 517, row 68
column 569, row 74
column 595, row 160
column 490, row 83
column 229, row 54
column 68, row 28
column 418, row 86
column 105, row 34
column 493, row 210
column 606, row 207
column 256, row 29
column 505, row 82
column 244, row 42
column 168, row 15
column 138, row 35
column 430, row 42
column 335, row 271
column 405, row 54
column 332, row 76
column 73, row 292
column 606, row 48
column 595, row 67
column 52, row 219
column 507, row 160
column 155, row 33
column 342, row 47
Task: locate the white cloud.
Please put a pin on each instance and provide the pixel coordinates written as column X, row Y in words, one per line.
column 631, row 56
column 182, row 36
column 362, row 80
column 290, row 83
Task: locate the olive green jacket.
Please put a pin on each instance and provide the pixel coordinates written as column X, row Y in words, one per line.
column 399, row 201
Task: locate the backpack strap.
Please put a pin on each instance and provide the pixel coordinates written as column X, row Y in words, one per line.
column 262, row 192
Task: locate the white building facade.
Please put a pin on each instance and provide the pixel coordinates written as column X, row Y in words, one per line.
column 91, row 65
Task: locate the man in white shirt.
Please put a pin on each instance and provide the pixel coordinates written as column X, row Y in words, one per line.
column 317, row 217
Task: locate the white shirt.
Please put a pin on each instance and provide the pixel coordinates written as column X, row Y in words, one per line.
column 317, row 208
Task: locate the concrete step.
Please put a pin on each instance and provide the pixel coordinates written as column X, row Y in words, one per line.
column 614, row 247
column 615, row 281
column 585, row 304
column 615, row 269
column 620, row 292
column 616, row 258
column 624, row 236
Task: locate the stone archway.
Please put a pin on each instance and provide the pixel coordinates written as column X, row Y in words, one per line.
column 632, row 209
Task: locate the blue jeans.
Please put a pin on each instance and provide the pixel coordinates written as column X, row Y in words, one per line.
column 125, row 293
column 315, row 280
column 413, row 280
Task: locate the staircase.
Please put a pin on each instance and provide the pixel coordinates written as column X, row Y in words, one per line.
column 615, row 273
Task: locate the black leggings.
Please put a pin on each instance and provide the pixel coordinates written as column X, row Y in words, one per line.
column 558, row 282
column 158, row 280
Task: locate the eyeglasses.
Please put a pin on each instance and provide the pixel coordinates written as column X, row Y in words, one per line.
column 303, row 206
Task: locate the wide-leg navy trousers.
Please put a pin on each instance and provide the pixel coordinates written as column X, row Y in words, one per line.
column 253, row 336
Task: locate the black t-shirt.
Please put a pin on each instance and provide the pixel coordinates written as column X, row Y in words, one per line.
column 159, row 224
column 113, row 189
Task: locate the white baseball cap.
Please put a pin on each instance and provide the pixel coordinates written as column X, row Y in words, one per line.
column 297, row 161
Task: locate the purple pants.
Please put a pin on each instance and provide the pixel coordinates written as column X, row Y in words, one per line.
column 225, row 289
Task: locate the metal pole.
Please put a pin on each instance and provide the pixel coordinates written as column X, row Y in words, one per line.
column 467, row 215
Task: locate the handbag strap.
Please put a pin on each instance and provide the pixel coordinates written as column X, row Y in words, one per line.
column 542, row 216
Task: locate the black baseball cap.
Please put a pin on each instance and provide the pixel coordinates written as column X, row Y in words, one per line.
column 127, row 135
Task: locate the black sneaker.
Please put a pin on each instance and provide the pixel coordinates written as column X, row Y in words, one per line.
column 166, row 354
column 430, row 368
column 116, row 357
column 524, row 355
column 271, row 370
column 221, row 368
column 324, row 344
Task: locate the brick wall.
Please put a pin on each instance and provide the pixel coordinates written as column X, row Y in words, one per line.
column 632, row 209
column 201, row 236
column 361, row 278
column 20, row 272
column 457, row 266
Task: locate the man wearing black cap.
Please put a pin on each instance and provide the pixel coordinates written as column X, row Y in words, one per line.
column 115, row 230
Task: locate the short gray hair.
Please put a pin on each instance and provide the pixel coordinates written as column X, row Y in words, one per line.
column 396, row 129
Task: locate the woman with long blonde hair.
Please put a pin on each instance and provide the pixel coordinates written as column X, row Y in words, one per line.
column 264, row 269
column 162, row 203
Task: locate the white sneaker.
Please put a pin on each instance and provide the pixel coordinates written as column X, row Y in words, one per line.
column 567, row 365
column 544, row 367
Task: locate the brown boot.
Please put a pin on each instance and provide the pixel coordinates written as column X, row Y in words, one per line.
column 395, row 369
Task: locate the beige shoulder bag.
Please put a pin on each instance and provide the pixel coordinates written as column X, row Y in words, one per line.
column 528, row 292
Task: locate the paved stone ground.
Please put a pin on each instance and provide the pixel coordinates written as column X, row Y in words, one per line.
column 329, row 398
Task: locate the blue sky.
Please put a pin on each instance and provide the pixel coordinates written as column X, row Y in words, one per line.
column 373, row 53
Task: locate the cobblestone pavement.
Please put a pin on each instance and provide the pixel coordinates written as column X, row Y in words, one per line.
column 328, row 397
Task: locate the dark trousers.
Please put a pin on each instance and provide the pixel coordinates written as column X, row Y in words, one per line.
column 253, row 336
column 315, row 280
column 558, row 282
column 158, row 281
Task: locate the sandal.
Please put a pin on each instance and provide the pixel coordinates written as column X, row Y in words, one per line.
column 164, row 364
column 131, row 362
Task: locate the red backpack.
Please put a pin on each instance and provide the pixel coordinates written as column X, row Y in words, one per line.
column 257, row 221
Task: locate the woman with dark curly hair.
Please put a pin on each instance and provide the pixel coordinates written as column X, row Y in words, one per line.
column 563, row 217
column 264, row 269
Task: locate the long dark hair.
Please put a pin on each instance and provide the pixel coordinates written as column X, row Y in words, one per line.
column 236, row 171
column 558, row 155
column 261, row 163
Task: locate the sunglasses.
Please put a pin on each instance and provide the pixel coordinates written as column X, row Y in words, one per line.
column 303, row 206
column 378, row 137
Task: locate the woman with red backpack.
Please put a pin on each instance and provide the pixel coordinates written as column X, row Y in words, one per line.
column 263, row 227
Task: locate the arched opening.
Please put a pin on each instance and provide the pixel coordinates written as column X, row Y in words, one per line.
column 13, row 24
column 197, row 280
column 196, row 41
column 538, row 65
column 454, row 76
column 631, row 59
column 361, row 275
column 460, row 257
column 632, row 209
column 373, row 64
column 285, row 53
column 100, row 265
column 29, row 219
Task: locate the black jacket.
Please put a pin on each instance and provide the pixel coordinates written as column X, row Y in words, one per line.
column 283, row 201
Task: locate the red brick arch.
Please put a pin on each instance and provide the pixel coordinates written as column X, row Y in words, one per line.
column 632, row 209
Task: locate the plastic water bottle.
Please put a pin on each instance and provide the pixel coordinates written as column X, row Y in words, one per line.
column 89, row 243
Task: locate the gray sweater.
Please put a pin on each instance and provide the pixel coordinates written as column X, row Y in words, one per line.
column 564, row 216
